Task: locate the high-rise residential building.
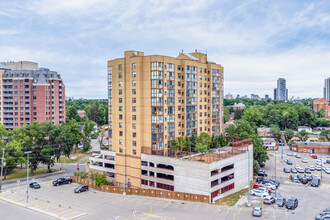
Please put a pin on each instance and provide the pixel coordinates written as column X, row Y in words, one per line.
column 21, row 65
column 152, row 101
column 281, row 92
column 326, row 89
column 229, row 96
column 266, row 97
column 31, row 95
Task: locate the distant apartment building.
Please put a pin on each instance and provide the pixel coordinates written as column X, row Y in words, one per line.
column 237, row 106
column 255, row 96
column 281, row 92
column 32, row 94
column 326, row 89
column 266, row 97
column 322, row 104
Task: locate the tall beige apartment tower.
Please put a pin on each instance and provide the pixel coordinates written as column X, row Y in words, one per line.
column 154, row 99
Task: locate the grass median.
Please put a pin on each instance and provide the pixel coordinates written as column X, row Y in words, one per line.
column 233, row 198
column 21, row 173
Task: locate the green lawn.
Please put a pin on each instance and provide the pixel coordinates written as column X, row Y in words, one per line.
column 232, row 199
column 21, row 173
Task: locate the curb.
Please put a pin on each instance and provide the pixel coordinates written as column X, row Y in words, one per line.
column 39, row 176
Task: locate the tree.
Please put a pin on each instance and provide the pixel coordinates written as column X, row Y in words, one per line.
column 225, row 114
column 204, row 138
column 253, row 115
column 94, row 113
column 201, row 147
column 71, row 113
column 242, row 129
column 89, row 131
column 101, row 136
column 302, row 135
column 259, row 150
column 321, row 113
column 256, row 167
column 179, row 144
column 276, row 132
column 238, row 114
column 325, row 135
column 288, row 135
column 100, row 180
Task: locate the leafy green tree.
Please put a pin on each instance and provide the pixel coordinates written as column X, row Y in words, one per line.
column 321, row 113
column 226, row 114
column 276, row 132
column 322, row 122
column 201, row 147
column 302, row 135
column 238, row 114
column 242, row 129
column 100, row 180
column 179, row 144
column 253, row 115
column 256, row 167
column 288, row 135
column 204, row 138
column 325, row 135
column 71, row 113
column 259, row 150
column 94, row 113
column 89, row 131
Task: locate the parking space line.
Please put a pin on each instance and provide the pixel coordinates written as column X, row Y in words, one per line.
column 187, row 206
column 207, row 207
column 196, row 207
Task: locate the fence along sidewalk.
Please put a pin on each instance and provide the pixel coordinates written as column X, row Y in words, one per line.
column 144, row 192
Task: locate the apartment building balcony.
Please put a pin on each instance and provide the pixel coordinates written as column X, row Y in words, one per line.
column 7, row 95
column 27, row 94
column 8, row 100
column 8, row 90
column 26, row 83
column 27, row 105
column 7, row 105
column 7, row 84
column 9, row 126
column 27, row 110
column 8, row 121
column 8, row 111
column 8, row 116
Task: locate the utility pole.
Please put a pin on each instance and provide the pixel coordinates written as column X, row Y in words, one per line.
column 282, row 152
column 321, row 162
column 27, row 176
column 275, row 176
column 2, row 164
column 249, row 180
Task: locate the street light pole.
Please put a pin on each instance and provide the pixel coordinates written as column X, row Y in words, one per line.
column 27, row 176
column 282, row 152
column 321, row 162
column 275, row 174
column 2, row 164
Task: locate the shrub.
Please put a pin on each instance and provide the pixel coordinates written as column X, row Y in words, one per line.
column 100, row 180
column 81, row 174
column 256, row 167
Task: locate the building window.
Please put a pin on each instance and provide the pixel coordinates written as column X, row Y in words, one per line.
column 134, row 91
column 120, row 141
column 120, row 91
column 134, row 117
column 134, row 74
column 134, row 134
column 120, row 75
column 134, row 83
column 120, row 83
column 133, row 100
column 120, row 125
column 134, row 143
column 120, row 133
column 133, row 65
column 120, row 108
column 134, row 126
column 120, row 116
column 133, row 108
column 120, row 66
column 134, row 152
column 120, row 100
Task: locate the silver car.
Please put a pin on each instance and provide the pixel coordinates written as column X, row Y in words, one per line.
column 257, row 211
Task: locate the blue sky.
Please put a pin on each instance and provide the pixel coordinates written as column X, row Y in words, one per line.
column 256, row 41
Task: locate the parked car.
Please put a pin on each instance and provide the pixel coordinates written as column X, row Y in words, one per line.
column 318, row 168
column 293, row 170
column 300, row 170
column 304, row 160
column 289, row 162
column 257, row 211
column 294, row 154
column 286, row 170
column 300, row 177
column 262, row 164
column 308, row 171
column 34, row 185
column 314, row 156
column 327, row 170
column 62, row 181
column 259, row 179
column 269, row 200
column 289, row 154
column 294, row 179
column 292, row 203
column 280, row 201
column 80, row 189
column 262, row 173
column 308, row 177
column 259, row 192
column 276, row 182
column 298, row 156
column 315, row 182
column 311, row 155
column 325, row 214
column 297, row 166
column 304, row 180
column 328, row 161
column 270, row 185
column 311, row 168
column 261, row 186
